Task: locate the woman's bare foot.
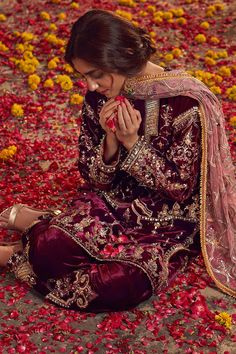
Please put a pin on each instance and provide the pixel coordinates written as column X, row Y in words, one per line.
column 23, row 218
column 7, row 251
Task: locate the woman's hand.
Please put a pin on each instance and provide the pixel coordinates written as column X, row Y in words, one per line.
column 111, row 143
column 108, row 111
column 129, row 120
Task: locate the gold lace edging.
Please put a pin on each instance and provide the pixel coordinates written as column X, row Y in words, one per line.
column 203, row 191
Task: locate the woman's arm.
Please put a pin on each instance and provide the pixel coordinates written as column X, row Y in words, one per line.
column 98, row 151
column 174, row 174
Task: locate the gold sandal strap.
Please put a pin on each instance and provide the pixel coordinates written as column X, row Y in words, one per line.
column 14, row 211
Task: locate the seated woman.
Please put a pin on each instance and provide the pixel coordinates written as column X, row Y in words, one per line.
column 160, row 182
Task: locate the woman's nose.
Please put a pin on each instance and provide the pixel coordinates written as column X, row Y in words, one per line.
column 92, row 86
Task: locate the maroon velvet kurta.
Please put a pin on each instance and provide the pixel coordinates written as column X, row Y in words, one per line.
column 134, row 224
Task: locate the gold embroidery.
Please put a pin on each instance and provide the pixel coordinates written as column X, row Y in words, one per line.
column 65, row 293
column 151, row 120
column 131, row 83
column 99, row 171
column 167, row 215
column 20, row 265
column 203, row 196
column 189, row 115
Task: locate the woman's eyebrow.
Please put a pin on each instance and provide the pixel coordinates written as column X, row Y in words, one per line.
column 90, row 72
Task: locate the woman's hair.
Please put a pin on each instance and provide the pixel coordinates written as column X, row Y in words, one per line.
column 110, row 43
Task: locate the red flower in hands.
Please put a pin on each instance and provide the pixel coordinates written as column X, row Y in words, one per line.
column 120, row 98
column 111, row 123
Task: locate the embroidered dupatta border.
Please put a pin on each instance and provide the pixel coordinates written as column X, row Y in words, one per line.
column 203, row 173
column 203, row 187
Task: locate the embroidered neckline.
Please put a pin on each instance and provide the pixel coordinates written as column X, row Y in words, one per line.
column 130, row 83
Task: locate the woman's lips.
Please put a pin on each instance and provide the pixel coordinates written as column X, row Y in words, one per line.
column 104, row 92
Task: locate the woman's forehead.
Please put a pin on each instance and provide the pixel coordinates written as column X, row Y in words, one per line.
column 83, row 66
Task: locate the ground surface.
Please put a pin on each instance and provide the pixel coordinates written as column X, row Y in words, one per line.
column 38, row 156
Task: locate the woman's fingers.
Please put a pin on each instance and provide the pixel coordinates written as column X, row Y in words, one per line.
column 109, row 107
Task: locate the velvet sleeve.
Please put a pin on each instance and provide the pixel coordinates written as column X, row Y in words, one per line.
column 175, row 173
column 91, row 142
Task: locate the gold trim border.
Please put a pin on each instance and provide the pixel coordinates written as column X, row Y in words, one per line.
column 203, row 187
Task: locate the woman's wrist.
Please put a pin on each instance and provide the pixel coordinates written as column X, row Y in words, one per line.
column 130, row 143
column 111, row 149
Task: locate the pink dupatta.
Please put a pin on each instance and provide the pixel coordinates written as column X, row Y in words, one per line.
column 217, row 186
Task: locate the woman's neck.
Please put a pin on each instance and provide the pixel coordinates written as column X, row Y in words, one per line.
column 150, row 69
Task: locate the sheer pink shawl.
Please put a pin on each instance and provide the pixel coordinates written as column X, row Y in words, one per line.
column 217, row 187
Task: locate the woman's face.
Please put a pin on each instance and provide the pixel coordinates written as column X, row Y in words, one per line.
column 108, row 84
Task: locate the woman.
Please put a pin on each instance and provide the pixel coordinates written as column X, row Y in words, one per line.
column 159, row 179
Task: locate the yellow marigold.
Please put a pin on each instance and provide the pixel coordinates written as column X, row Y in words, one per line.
column 2, row 18
column 200, row 38
column 52, row 64
column 210, row 61
column 8, row 153
column 127, row 15
column 151, row 8
column 76, row 99
column 34, row 81
column 17, row 110
column 27, row 66
column 52, row 27
column 52, row 38
column 74, row 5
column 211, row 8
column 224, row 319
column 216, row 90
column 28, row 55
column 179, row 12
column 169, row 57
column 157, row 19
column 176, row 52
column 218, row 78
column 45, row 15
column 167, row 15
column 210, row 53
column 65, row 82
column 16, row 33
column 20, row 47
column 61, row 16
column 222, row 54
column 219, row 6
column 68, row 68
column 152, row 34
column 3, row 47
column 209, row 14
column 232, row 121
column 214, row 40
column 181, row 21
column 205, row 25
column 48, row 83
column 231, row 93
column 158, row 13
column 225, row 71
column 67, row 85
column 27, row 36
column 143, row 13
column 129, row 3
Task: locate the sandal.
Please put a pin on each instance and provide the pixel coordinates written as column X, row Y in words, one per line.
column 13, row 211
